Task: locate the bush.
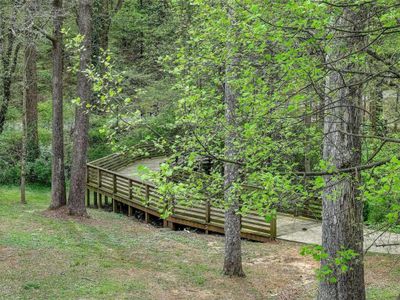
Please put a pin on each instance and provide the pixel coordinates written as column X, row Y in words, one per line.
column 39, row 171
column 9, row 173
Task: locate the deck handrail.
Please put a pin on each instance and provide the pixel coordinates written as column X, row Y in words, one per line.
column 142, row 195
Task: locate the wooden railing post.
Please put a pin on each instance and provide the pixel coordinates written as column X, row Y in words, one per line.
column 208, row 211
column 114, row 184
column 114, row 203
column 130, row 189
column 147, row 201
column 273, row 227
column 98, row 178
column 147, row 195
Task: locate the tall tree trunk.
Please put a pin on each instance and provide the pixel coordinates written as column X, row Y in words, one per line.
column 233, row 252
column 58, row 197
column 31, row 90
column 9, row 56
column 342, row 225
column 76, row 200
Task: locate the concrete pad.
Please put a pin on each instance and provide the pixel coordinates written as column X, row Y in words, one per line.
column 309, row 232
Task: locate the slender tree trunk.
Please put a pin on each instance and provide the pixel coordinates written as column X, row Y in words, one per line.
column 24, row 147
column 342, row 226
column 307, row 146
column 31, row 90
column 58, row 197
column 76, row 200
column 233, row 252
column 376, row 109
column 23, row 163
column 397, row 108
column 101, row 27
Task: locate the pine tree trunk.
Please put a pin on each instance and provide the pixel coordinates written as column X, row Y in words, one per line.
column 31, row 90
column 76, row 200
column 58, row 197
column 342, row 226
column 233, row 252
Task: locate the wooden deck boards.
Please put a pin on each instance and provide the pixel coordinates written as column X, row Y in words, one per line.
column 121, row 182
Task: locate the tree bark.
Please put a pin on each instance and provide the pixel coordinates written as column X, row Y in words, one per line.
column 233, row 252
column 58, row 197
column 9, row 56
column 342, row 225
column 76, row 200
column 31, row 90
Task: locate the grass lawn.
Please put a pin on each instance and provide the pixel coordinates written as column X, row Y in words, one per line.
column 110, row 256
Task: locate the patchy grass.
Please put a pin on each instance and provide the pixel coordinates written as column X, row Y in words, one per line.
column 110, row 256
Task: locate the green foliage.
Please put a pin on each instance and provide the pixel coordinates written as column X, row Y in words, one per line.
column 272, row 141
column 339, row 263
column 38, row 171
column 382, row 193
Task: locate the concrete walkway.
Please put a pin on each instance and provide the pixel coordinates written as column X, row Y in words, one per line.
column 309, row 232
column 293, row 229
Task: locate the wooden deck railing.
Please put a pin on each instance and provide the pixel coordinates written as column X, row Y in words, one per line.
column 104, row 180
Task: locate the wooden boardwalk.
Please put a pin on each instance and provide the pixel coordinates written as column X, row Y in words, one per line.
column 115, row 177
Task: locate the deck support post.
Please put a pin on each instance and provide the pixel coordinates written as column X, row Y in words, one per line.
column 171, row 225
column 118, row 207
column 87, row 197
column 114, row 205
column 129, row 211
column 100, row 200
column 146, row 217
column 95, row 200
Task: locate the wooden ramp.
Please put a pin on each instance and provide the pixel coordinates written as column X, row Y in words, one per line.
column 115, row 178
